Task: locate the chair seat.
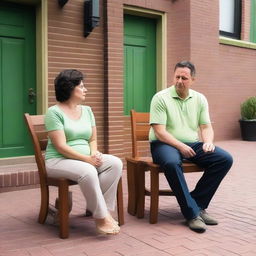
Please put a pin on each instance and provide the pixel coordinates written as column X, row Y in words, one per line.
column 56, row 181
column 148, row 161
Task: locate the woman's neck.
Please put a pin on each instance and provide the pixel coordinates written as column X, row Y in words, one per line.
column 69, row 104
column 71, row 109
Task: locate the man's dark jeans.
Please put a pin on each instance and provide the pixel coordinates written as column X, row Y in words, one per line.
column 216, row 166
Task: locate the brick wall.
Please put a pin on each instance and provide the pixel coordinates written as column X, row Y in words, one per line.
column 224, row 73
column 178, row 33
column 114, row 130
column 68, row 48
column 178, row 48
column 245, row 20
column 19, row 176
column 236, row 83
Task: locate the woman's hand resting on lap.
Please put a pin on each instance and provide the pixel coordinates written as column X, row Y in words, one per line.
column 95, row 159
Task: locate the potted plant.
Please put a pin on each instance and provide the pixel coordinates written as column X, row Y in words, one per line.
column 248, row 119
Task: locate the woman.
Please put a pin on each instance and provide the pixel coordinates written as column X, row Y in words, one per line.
column 72, row 150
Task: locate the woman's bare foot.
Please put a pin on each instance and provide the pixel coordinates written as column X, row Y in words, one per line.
column 106, row 226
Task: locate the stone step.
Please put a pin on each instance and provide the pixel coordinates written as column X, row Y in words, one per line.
column 18, row 176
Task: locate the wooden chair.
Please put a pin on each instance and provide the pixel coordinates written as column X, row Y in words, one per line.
column 35, row 124
column 137, row 166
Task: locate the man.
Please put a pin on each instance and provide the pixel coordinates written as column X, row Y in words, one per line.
column 176, row 115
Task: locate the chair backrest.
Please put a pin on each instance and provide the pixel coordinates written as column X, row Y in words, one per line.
column 140, row 129
column 36, row 127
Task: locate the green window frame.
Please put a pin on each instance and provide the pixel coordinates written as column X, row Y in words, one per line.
column 253, row 22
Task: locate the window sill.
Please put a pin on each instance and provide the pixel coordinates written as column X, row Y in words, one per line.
column 237, row 43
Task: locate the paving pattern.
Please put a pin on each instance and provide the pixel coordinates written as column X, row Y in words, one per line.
column 234, row 205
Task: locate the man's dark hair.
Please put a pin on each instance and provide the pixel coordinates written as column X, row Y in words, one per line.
column 65, row 83
column 186, row 64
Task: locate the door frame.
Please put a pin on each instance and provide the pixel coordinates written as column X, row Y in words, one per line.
column 161, row 41
column 41, row 7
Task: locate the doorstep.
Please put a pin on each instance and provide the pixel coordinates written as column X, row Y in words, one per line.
column 18, row 174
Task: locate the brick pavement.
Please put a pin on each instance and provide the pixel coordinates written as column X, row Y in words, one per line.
column 234, row 205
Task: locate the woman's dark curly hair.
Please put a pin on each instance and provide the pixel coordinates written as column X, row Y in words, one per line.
column 65, row 83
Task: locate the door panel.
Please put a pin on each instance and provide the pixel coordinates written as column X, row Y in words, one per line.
column 139, row 63
column 135, row 57
column 13, row 50
column 17, row 75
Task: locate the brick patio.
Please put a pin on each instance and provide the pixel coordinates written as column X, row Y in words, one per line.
column 234, row 205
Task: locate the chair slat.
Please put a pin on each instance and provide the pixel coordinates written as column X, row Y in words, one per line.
column 43, row 144
column 142, row 117
column 37, row 119
column 39, row 127
column 141, row 136
column 143, row 128
column 42, row 135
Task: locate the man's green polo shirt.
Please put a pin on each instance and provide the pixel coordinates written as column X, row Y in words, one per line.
column 181, row 117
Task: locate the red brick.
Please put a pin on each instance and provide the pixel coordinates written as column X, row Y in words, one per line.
column 1, row 180
column 26, row 178
column 14, row 179
column 7, row 179
column 20, row 178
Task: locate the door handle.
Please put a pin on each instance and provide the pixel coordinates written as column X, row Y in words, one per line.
column 31, row 95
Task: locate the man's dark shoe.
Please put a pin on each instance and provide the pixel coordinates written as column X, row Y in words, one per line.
column 208, row 220
column 197, row 224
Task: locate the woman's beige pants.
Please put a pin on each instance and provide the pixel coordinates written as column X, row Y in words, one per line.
column 98, row 185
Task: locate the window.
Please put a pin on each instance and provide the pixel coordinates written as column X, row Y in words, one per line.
column 230, row 18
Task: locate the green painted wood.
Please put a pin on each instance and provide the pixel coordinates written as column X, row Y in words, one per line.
column 12, row 57
column 17, row 75
column 253, row 22
column 139, row 63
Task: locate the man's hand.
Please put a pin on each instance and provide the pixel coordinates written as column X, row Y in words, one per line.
column 208, row 147
column 186, row 151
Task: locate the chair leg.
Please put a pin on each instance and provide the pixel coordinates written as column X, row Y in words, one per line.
column 131, row 188
column 140, row 189
column 63, row 209
column 120, row 204
column 154, row 197
column 70, row 202
column 44, row 204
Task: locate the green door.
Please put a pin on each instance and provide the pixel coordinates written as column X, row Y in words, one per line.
column 17, row 77
column 139, row 63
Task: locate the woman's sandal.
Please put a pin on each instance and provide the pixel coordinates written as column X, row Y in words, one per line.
column 114, row 221
column 89, row 214
column 111, row 231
